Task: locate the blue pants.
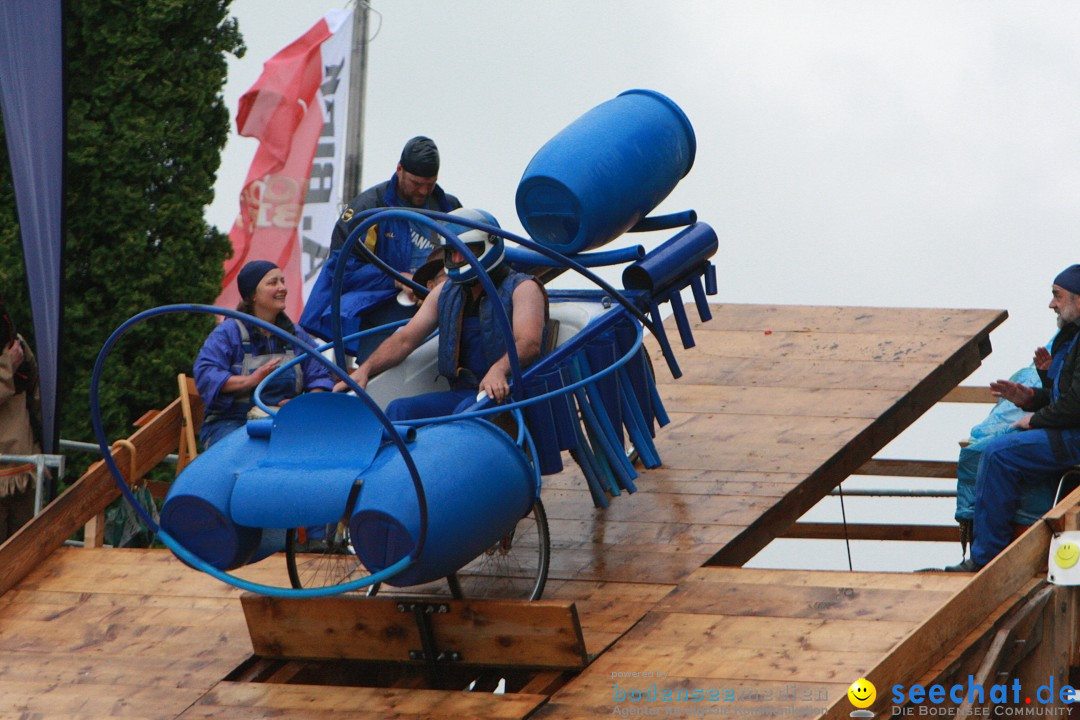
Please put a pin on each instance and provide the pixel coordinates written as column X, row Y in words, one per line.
column 430, row 405
column 1013, row 464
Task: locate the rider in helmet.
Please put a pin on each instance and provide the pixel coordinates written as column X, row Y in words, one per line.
column 472, row 349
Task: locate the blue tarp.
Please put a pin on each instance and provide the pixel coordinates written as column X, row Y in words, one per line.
column 32, row 100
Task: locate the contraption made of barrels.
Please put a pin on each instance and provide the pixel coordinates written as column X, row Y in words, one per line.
column 329, row 479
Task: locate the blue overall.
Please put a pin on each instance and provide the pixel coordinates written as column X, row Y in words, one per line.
column 230, row 350
column 1020, row 463
column 469, row 344
column 368, row 294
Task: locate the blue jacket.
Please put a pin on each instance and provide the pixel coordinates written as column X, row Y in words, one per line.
column 223, row 353
column 364, row 285
column 451, row 314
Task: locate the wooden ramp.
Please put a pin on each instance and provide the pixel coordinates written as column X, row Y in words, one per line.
column 777, row 405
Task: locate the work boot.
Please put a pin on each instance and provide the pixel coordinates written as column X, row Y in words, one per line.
column 967, row 566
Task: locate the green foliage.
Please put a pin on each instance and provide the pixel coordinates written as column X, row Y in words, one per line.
column 145, row 126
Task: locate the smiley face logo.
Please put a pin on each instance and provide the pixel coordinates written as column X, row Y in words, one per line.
column 1066, row 555
column 862, row 693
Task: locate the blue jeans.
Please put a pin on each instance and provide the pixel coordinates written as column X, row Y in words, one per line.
column 1013, row 464
column 430, row 405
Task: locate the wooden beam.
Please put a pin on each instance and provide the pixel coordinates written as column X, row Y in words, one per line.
column 87, row 497
column 869, row 531
column 830, row 473
column 497, row 633
column 970, row 394
column 909, row 468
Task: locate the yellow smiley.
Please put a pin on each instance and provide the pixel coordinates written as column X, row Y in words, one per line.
column 862, row 693
column 1067, row 554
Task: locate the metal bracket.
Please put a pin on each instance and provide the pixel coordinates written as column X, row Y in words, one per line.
column 422, row 613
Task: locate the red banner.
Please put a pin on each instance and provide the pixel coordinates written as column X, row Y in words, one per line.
column 283, row 110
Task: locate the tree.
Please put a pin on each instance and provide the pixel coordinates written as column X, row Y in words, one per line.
column 146, row 123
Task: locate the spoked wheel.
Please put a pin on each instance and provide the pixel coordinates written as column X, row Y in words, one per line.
column 514, row 568
column 315, row 562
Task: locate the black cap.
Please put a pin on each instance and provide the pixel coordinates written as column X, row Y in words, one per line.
column 420, row 157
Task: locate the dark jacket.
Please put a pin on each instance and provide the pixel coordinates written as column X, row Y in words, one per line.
column 1065, row 411
column 364, row 285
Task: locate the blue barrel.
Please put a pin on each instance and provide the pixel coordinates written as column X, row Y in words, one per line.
column 478, row 485
column 605, row 171
column 196, row 512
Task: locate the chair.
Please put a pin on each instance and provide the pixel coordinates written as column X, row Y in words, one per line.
column 191, row 417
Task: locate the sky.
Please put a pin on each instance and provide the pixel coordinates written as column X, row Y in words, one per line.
column 890, row 154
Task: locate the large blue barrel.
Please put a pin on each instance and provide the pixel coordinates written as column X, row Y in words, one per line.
column 605, row 171
column 197, row 510
column 478, row 485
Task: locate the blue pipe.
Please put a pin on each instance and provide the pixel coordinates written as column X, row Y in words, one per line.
column 501, row 318
column 529, row 258
column 529, row 245
column 99, row 434
column 665, row 222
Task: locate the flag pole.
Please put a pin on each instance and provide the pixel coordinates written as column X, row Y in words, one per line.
column 354, row 141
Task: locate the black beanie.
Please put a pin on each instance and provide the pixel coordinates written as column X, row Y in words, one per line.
column 420, row 157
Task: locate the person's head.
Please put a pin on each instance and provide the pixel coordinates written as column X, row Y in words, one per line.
column 262, row 289
column 432, row 273
column 487, row 248
column 417, row 171
column 1066, row 295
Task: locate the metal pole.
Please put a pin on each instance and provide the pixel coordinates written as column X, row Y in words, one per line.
column 354, row 141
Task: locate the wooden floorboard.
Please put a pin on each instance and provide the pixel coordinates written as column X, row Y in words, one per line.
column 776, row 405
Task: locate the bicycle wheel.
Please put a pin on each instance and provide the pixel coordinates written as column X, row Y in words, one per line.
column 516, row 567
column 321, row 562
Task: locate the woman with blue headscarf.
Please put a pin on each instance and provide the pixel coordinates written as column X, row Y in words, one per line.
column 238, row 355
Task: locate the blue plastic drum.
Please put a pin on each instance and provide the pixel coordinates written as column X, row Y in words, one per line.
column 478, row 485
column 605, row 171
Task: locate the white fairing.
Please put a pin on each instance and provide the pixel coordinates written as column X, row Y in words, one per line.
column 419, row 373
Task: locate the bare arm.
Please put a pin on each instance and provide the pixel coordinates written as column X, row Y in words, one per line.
column 397, row 347
column 528, row 322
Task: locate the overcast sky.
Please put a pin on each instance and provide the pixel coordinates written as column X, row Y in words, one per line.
column 893, row 154
column 848, row 153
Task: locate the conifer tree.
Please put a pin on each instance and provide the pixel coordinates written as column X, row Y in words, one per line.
column 146, row 123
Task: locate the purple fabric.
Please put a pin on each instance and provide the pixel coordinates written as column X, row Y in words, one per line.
column 31, row 96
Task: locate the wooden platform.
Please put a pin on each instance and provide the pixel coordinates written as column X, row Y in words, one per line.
column 777, row 405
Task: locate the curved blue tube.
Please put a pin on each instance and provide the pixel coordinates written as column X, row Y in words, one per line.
column 501, row 318
column 529, row 258
column 665, row 222
column 99, row 434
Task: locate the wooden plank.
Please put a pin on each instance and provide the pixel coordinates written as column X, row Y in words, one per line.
column 232, row 700
column 850, row 319
column 888, row 347
column 88, row 496
column 837, row 579
column 854, row 454
column 539, row 634
column 970, row 394
column 872, row 531
column 985, row 591
column 909, row 468
column 841, row 603
column 797, row 401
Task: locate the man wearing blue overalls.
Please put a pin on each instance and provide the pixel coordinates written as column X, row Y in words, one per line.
column 368, row 294
column 1048, row 445
column 472, row 350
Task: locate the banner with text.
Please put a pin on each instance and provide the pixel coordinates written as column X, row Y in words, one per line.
column 292, row 197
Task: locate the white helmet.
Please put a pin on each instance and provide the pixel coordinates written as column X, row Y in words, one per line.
column 487, row 248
